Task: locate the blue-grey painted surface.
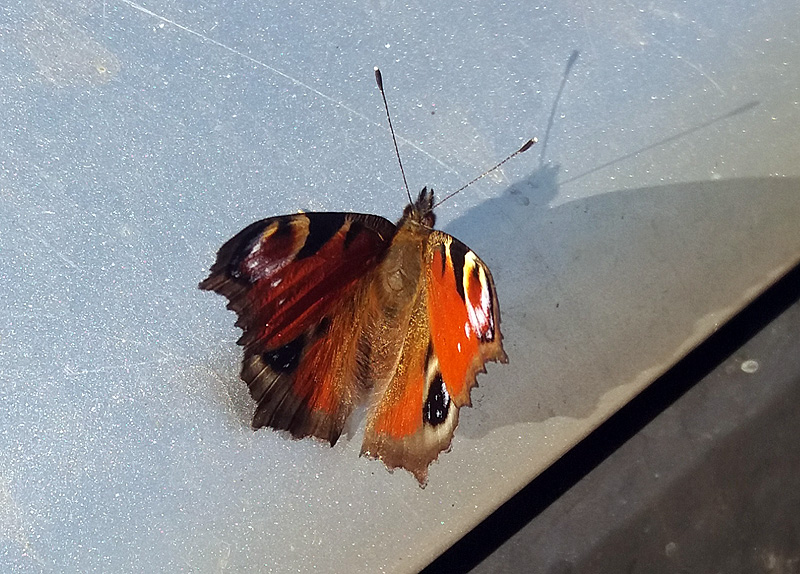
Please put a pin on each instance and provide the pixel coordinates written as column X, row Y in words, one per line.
column 136, row 137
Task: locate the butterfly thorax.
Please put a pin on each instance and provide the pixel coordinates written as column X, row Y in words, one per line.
column 401, row 269
column 396, row 292
column 401, row 272
column 420, row 211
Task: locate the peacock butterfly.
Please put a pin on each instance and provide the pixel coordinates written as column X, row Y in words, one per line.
column 339, row 308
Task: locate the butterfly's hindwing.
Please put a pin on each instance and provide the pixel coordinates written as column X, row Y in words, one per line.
column 297, row 283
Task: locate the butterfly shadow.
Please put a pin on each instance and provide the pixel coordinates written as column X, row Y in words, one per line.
column 610, row 290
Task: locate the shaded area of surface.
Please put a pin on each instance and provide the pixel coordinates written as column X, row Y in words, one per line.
column 707, row 483
column 600, row 291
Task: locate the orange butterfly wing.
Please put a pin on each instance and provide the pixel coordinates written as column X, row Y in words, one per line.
column 453, row 330
column 464, row 315
column 297, row 283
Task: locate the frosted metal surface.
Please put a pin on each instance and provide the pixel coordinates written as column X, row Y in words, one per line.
column 136, row 137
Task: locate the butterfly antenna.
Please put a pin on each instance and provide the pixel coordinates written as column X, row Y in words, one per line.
column 379, row 80
column 525, row 147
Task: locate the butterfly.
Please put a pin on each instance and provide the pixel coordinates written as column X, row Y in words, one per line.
column 342, row 309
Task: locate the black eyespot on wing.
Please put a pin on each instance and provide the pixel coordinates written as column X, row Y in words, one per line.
column 437, row 405
column 321, row 227
column 285, row 359
column 458, row 252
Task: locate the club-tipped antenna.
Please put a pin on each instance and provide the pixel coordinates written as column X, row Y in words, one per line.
column 525, row 147
column 379, row 80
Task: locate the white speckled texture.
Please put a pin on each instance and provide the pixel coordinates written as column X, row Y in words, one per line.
column 136, row 137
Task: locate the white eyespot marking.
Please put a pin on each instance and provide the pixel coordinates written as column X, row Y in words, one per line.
column 251, row 262
column 276, row 282
column 479, row 312
column 260, row 267
column 459, row 347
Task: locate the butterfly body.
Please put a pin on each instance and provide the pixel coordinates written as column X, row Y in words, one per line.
column 339, row 309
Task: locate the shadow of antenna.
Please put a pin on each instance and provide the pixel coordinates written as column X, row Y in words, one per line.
column 571, row 62
column 735, row 112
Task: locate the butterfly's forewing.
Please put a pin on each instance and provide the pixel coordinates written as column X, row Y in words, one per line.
column 298, row 284
column 464, row 314
column 452, row 331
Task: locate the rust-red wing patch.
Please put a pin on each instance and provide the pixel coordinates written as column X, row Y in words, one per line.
column 296, row 282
